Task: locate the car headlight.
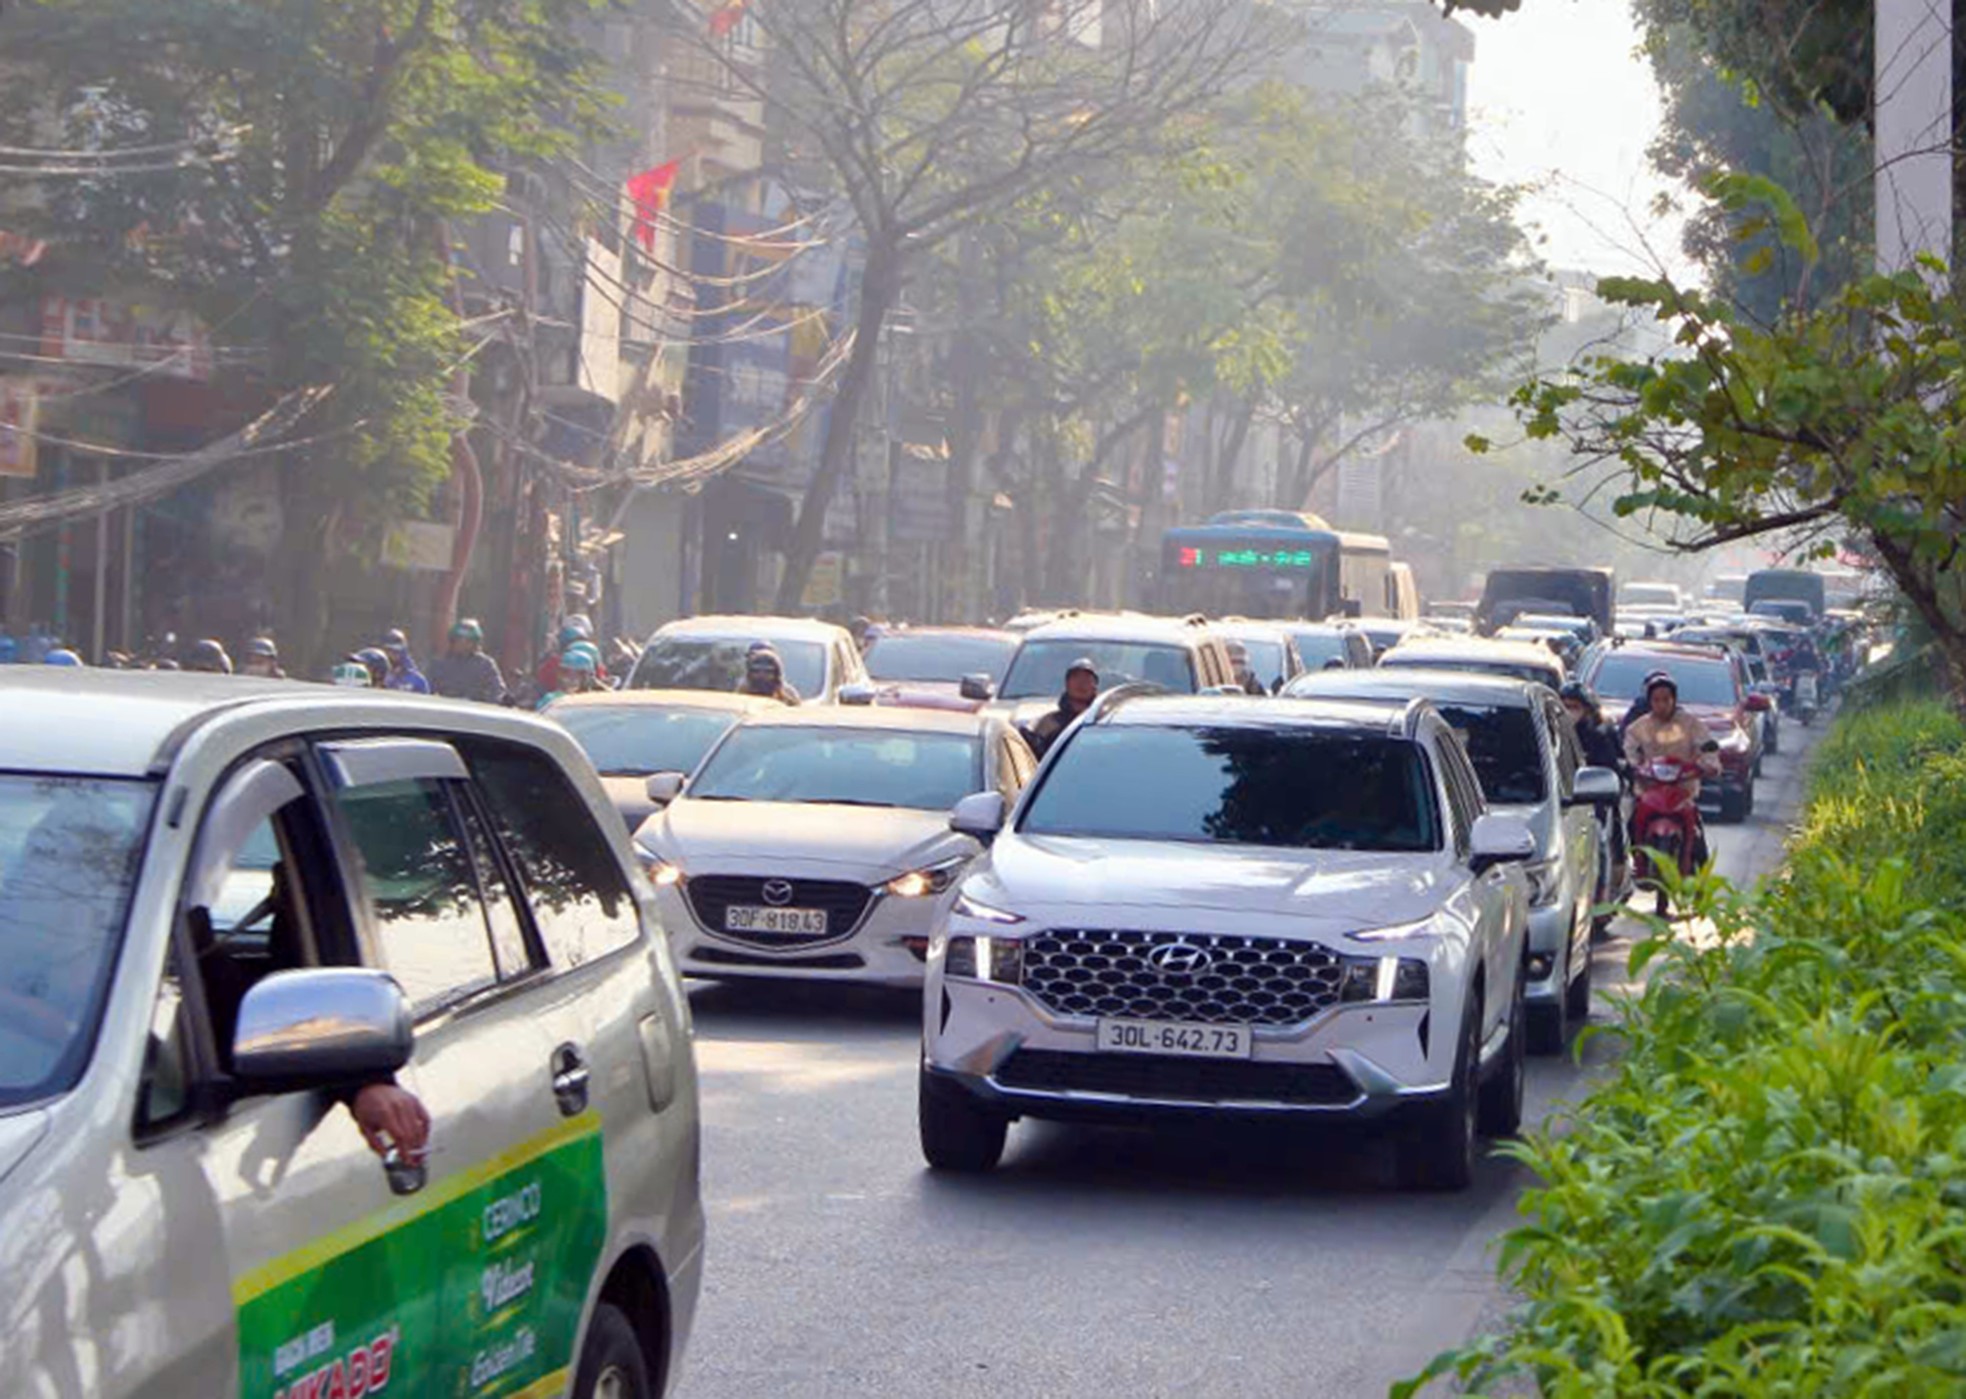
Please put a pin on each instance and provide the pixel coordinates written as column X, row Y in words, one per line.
column 1542, row 881
column 1397, row 933
column 983, row 958
column 663, row 874
column 1385, row 979
column 966, row 907
column 933, row 879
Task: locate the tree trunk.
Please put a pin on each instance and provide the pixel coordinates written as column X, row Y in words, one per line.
column 879, row 285
column 1225, row 466
column 1296, row 494
column 1924, row 588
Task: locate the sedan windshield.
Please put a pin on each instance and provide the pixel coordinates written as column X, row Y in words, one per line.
column 717, row 663
column 1298, row 789
column 847, row 767
column 633, row 740
column 1502, row 743
column 69, row 848
column 1620, row 678
column 1039, row 668
column 938, row 657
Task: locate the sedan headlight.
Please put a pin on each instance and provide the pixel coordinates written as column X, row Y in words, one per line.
column 1543, row 879
column 662, row 873
column 921, row 883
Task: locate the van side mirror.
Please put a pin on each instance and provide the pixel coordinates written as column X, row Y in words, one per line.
column 978, row 687
column 859, row 692
column 320, row 1027
column 1499, row 840
column 665, row 787
column 980, row 815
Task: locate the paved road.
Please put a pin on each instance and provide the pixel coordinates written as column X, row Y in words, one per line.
column 1095, row 1262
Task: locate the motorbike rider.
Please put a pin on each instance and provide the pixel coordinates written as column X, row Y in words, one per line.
column 373, row 660
column 1597, row 738
column 403, row 674
column 764, row 674
column 1245, row 674
column 465, row 671
column 1663, row 731
column 577, row 670
column 1081, row 689
column 547, row 678
column 262, row 658
column 208, row 657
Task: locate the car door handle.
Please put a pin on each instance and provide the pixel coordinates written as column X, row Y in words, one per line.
column 570, row 1079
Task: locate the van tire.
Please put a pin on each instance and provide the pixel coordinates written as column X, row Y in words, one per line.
column 612, row 1365
column 958, row 1133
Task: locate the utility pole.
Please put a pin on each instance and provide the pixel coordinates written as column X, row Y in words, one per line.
column 1912, row 117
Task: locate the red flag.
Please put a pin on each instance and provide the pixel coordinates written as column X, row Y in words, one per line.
column 649, row 192
column 724, row 18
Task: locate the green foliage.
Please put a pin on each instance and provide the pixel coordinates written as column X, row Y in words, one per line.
column 1766, row 1197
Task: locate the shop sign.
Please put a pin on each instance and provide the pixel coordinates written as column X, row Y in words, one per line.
column 124, row 335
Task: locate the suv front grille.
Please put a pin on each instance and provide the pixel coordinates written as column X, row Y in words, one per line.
column 1175, row 1079
column 1231, row 980
column 844, row 903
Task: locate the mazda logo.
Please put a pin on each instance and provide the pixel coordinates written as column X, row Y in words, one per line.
column 777, row 892
column 1180, row 959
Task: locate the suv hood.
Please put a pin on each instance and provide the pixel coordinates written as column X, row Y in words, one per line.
column 809, row 839
column 1158, row 882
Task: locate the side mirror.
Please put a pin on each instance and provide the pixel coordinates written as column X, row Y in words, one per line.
column 858, row 692
column 978, row 687
column 980, row 814
column 320, row 1027
column 1499, row 840
column 1758, row 703
column 1596, row 787
column 665, row 787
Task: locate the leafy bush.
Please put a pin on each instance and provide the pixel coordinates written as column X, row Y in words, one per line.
column 1768, row 1194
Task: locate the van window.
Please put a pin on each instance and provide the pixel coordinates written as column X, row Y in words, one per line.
column 579, row 897
column 417, row 873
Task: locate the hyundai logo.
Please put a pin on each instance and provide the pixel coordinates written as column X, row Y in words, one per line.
column 1180, row 959
column 777, row 892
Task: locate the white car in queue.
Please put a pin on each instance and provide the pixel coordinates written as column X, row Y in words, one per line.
column 1213, row 907
column 1527, row 758
column 816, row 843
column 236, row 916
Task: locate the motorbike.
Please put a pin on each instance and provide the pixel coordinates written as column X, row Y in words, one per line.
column 1666, row 809
column 1808, row 695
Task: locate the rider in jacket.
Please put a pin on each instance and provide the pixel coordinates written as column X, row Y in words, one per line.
column 1663, row 731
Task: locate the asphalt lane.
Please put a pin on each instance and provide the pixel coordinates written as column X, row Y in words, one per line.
column 1094, row 1262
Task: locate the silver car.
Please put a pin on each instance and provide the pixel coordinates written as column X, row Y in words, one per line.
column 232, row 914
column 1526, row 754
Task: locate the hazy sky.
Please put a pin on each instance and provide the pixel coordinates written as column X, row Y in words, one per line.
column 1557, row 98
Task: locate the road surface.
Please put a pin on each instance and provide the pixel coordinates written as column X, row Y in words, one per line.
column 1095, row 1262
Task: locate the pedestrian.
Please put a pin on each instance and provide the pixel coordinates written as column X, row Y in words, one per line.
column 464, row 671
column 262, row 658
column 1081, row 689
column 208, row 657
column 764, row 674
column 403, row 674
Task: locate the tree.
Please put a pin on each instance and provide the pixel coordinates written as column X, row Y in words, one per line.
column 1840, row 418
column 323, row 146
column 931, row 116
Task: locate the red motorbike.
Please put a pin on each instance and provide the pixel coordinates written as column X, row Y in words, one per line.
column 1665, row 815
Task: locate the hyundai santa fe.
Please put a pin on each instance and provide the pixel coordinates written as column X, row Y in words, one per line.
column 1208, row 907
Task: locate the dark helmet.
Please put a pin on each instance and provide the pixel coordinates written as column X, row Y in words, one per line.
column 1084, row 663
column 375, row 660
column 1658, row 678
column 1574, row 690
column 762, row 657
column 395, row 639
column 467, row 629
column 208, row 655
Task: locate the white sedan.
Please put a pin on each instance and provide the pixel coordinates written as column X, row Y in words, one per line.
column 815, row 844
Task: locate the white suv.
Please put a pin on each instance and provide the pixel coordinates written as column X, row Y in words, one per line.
column 1217, row 907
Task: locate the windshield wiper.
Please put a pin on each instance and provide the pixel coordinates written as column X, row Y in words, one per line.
column 627, row 772
column 841, row 801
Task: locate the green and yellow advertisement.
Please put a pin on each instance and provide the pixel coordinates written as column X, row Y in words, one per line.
column 476, row 1290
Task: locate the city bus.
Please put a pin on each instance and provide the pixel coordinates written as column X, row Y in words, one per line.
column 1278, row 563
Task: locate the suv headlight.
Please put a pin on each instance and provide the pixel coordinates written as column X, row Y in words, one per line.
column 1385, row 979
column 931, row 879
column 1542, row 881
column 982, row 958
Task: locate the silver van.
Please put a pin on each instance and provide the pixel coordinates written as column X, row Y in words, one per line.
column 233, row 915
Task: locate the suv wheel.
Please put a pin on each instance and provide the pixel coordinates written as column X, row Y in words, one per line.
column 1577, row 1000
column 1502, row 1094
column 958, row 1133
column 611, row 1362
column 1437, row 1151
